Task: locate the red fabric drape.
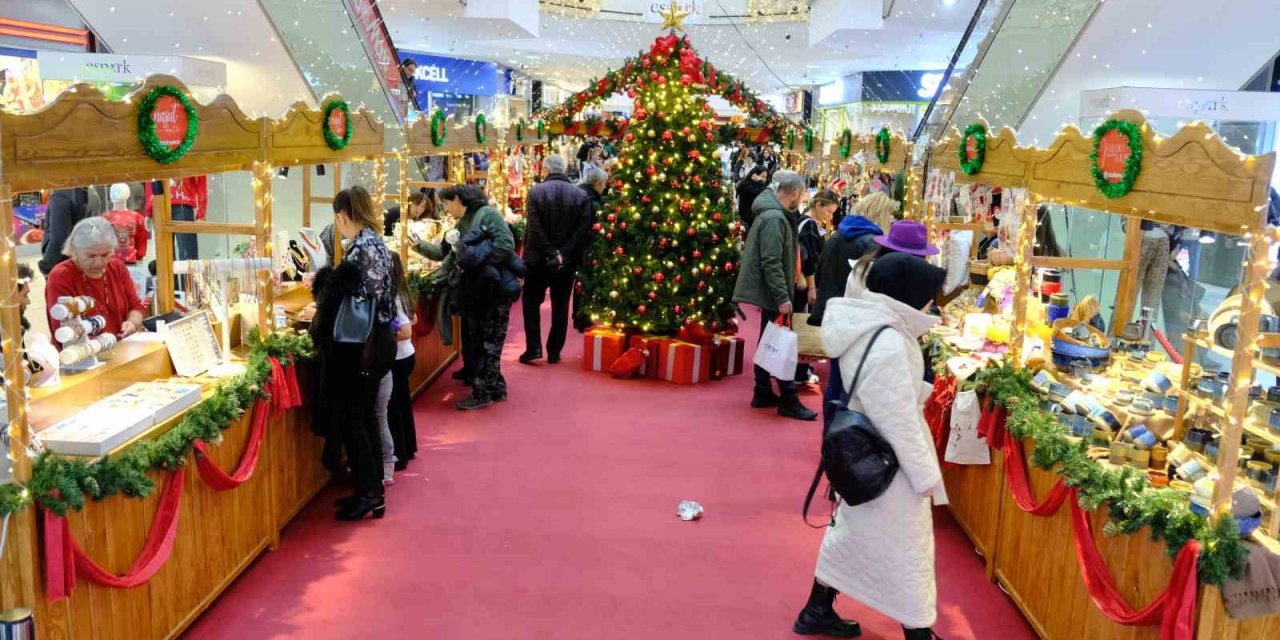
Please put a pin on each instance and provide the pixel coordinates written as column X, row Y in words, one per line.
column 426, row 322
column 937, row 412
column 991, row 423
column 219, row 480
column 64, row 558
column 1173, row 609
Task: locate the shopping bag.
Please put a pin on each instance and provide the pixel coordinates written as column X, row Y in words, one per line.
column 808, row 337
column 778, row 351
column 965, row 445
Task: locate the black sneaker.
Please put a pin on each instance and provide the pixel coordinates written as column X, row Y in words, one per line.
column 794, row 409
column 826, row 623
column 765, row 400
column 553, row 358
column 529, row 356
column 461, row 374
column 471, row 403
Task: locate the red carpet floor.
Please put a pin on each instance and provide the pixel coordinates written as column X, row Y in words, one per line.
column 553, row 516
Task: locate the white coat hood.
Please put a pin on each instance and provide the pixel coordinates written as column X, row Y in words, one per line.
column 848, row 321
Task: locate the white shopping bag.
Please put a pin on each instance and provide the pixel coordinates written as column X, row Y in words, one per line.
column 778, row 351
column 965, row 445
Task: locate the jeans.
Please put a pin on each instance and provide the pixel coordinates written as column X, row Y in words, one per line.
column 764, row 381
column 384, row 428
column 537, row 280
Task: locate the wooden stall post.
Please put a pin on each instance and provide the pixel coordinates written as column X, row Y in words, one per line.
column 262, row 200
column 1127, row 290
column 380, row 181
column 402, row 156
column 1022, row 282
column 306, row 196
column 162, row 214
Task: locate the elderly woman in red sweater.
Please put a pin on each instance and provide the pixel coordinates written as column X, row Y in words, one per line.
column 94, row 271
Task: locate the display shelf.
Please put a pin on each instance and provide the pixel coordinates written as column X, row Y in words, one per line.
column 1258, row 362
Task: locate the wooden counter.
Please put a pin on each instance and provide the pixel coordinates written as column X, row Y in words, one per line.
column 1034, row 560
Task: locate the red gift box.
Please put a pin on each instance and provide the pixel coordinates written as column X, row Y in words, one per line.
column 681, row 362
column 726, row 356
column 650, row 345
column 601, row 347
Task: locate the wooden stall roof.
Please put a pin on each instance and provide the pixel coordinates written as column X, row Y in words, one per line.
column 1005, row 164
column 899, row 151
column 298, row 137
column 460, row 137
column 1193, row 178
column 83, row 138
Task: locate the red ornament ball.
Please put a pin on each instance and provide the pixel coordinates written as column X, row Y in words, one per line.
column 637, row 271
column 679, row 278
column 641, row 309
column 662, row 79
column 622, row 225
column 646, row 199
column 609, row 236
column 659, row 278
column 667, row 136
column 596, row 227
column 715, row 237
column 611, row 217
column 577, row 287
column 662, row 115
column 653, row 295
column 728, row 266
column 716, row 217
column 653, row 75
column 686, row 206
column 629, row 138
column 653, row 225
column 686, row 79
column 619, row 250
column 706, row 269
column 690, row 231
column 683, row 259
column 677, row 309
column 696, row 254
column 702, row 284
column 662, row 243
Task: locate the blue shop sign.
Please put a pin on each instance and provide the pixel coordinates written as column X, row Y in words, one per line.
column 437, row 74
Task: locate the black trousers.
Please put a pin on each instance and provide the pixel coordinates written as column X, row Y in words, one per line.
column 404, row 431
column 362, row 441
column 764, row 381
column 487, row 331
column 537, row 281
column 469, row 351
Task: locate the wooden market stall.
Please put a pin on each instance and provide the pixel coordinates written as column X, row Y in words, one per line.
column 1193, row 179
column 82, row 139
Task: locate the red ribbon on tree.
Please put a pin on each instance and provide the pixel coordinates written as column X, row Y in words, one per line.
column 1174, row 609
column 63, row 558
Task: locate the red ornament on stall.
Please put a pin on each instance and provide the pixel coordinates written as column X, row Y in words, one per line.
column 577, row 286
column 715, row 237
column 705, row 125
column 662, row 115
column 650, row 170
column 710, row 137
column 653, row 225
column 629, row 138
column 728, row 266
column 609, row 236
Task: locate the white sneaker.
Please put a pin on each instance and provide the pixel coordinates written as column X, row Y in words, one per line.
column 813, row 378
column 388, row 473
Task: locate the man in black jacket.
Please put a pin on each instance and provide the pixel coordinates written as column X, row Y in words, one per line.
column 66, row 208
column 559, row 219
column 594, row 185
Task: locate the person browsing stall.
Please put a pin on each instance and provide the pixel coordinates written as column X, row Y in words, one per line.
column 93, row 270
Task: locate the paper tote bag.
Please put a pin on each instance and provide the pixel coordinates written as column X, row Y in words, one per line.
column 778, row 351
column 965, row 445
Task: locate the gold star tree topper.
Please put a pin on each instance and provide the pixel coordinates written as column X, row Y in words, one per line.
column 673, row 17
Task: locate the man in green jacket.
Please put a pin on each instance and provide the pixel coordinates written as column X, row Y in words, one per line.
column 768, row 277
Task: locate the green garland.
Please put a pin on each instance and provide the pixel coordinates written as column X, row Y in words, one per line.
column 438, row 130
column 61, row 483
column 480, row 128
column 978, row 132
column 1132, row 165
column 13, row 498
column 428, row 283
column 330, row 138
column 808, row 140
column 791, row 139
column 520, row 130
column 147, row 135
column 882, row 145
column 1131, row 502
column 542, row 129
column 846, row 143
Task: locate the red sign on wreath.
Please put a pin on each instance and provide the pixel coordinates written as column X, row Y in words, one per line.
column 338, row 122
column 1113, row 153
column 971, row 148
column 171, row 121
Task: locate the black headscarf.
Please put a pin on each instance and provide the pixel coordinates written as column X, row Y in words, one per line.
column 905, row 278
column 748, row 190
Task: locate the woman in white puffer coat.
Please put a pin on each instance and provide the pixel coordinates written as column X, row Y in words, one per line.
column 881, row 552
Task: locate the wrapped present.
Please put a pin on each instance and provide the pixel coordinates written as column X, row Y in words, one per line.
column 681, row 362
column 601, row 347
column 649, row 345
column 726, row 355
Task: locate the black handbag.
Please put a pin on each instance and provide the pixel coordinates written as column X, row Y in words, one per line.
column 354, row 323
column 858, row 461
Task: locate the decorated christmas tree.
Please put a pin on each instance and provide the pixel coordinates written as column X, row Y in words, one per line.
column 666, row 254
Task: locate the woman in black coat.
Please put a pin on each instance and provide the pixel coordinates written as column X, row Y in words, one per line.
column 749, row 188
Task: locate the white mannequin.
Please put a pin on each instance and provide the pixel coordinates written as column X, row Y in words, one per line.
column 119, row 195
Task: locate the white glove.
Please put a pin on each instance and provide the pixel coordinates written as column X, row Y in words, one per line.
column 451, row 236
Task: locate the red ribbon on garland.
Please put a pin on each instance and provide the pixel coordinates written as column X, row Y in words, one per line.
column 937, row 412
column 1174, row 609
column 63, row 557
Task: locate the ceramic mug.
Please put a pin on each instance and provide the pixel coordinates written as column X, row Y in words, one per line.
column 1171, row 404
column 1139, row 458
column 1143, row 438
column 1191, row 470
column 1274, row 420
column 1101, row 437
column 1119, row 452
column 1125, row 396
column 1158, row 382
column 1159, row 456
column 1143, row 406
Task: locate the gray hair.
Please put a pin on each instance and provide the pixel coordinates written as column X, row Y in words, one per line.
column 788, row 181
column 554, row 163
column 90, row 232
column 594, row 176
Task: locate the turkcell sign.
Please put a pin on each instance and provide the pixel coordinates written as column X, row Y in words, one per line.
column 437, row 74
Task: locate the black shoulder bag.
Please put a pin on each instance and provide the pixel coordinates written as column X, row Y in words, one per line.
column 858, row 461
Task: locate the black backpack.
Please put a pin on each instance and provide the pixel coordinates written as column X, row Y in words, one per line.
column 858, row 461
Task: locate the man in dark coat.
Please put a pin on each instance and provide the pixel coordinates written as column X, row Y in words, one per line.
column 559, row 221
column 66, row 208
column 594, row 185
column 768, row 277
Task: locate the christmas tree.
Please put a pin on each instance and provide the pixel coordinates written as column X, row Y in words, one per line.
column 667, row 253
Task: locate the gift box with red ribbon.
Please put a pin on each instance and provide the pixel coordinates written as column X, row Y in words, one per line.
column 601, row 347
column 726, row 355
column 649, row 344
column 682, row 362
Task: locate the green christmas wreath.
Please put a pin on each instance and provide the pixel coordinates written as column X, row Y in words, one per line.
column 481, row 129
column 330, row 138
column 542, row 129
column 791, row 138
column 147, row 134
column 808, row 140
column 882, row 145
column 520, row 130
column 971, row 166
column 438, row 131
column 1132, row 164
column 846, row 143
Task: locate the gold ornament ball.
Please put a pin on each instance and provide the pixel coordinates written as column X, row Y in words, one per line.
column 656, row 209
column 613, row 295
column 637, row 175
column 651, row 133
column 693, row 138
column 662, row 176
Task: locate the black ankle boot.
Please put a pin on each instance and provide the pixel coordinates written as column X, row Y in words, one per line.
column 819, row 618
column 918, row 634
